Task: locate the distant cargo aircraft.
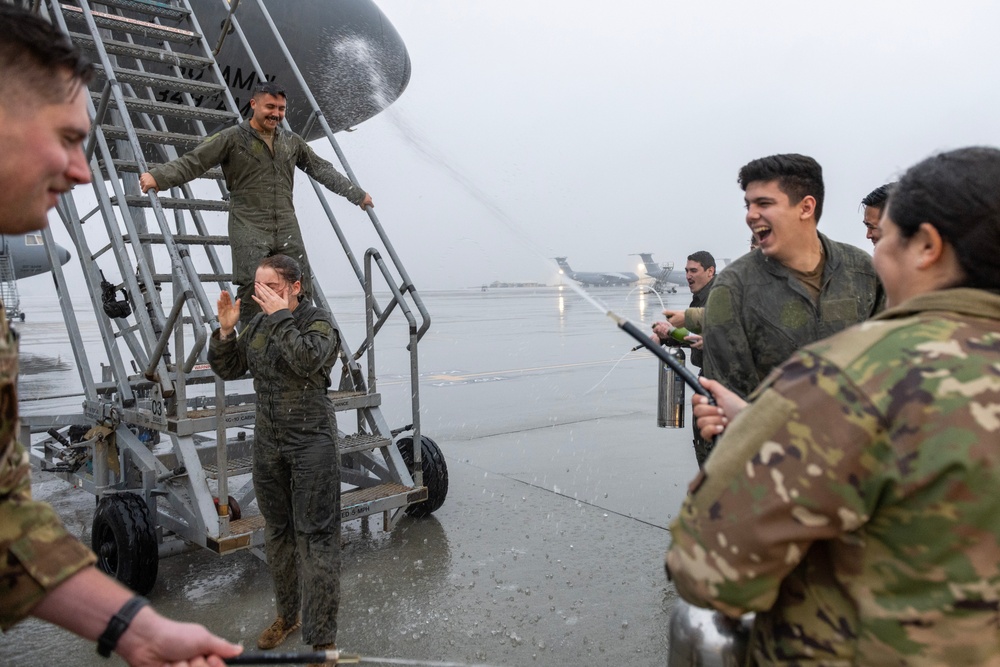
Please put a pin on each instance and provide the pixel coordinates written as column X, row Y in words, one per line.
column 588, row 278
column 665, row 278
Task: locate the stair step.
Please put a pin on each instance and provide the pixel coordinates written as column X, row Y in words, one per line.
column 203, row 277
column 362, row 442
column 381, row 498
column 354, row 400
column 153, row 136
column 161, row 81
column 148, row 7
column 132, row 167
column 141, row 52
column 134, row 26
column 188, row 239
column 248, row 532
column 140, row 105
column 240, row 466
column 143, row 201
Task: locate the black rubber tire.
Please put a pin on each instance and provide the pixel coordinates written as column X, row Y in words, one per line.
column 435, row 474
column 124, row 539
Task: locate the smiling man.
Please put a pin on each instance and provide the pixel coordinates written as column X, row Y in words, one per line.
column 874, row 204
column 258, row 159
column 799, row 288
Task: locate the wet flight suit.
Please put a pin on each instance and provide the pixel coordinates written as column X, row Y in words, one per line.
column 296, row 465
column 36, row 552
column 758, row 313
column 853, row 504
column 261, row 212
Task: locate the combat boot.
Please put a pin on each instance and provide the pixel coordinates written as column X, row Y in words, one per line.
column 322, row 647
column 276, row 633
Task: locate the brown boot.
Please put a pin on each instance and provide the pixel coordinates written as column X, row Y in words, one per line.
column 323, row 647
column 277, row 633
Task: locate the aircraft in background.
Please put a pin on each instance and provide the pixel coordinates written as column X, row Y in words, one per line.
column 665, row 278
column 25, row 255
column 21, row 256
column 588, row 278
column 351, row 57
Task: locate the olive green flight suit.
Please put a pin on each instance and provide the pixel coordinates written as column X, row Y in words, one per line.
column 261, row 211
column 296, row 464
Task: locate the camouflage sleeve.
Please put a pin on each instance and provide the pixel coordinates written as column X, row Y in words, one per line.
column 800, row 464
column 728, row 356
column 304, row 351
column 227, row 357
column 209, row 153
column 36, row 552
column 327, row 174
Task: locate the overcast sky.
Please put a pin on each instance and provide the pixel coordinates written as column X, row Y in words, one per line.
column 596, row 130
column 604, row 129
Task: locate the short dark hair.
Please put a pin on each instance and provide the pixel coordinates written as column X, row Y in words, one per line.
column 797, row 175
column 704, row 258
column 284, row 266
column 36, row 57
column 958, row 193
column 268, row 88
column 877, row 197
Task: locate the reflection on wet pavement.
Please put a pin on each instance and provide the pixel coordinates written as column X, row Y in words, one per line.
column 549, row 548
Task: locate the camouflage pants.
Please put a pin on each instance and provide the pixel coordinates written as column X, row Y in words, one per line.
column 250, row 244
column 298, row 491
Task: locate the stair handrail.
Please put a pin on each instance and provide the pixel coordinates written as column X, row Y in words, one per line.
column 407, row 285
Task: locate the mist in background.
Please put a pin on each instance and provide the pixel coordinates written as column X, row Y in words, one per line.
column 598, row 130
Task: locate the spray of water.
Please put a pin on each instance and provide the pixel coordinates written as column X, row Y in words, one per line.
column 354, row 55
column 608, row 374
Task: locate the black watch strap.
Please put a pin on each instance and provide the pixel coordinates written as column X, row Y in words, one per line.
column 118, row 624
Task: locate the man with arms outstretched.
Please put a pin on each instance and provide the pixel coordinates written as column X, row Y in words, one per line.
column 258, row 159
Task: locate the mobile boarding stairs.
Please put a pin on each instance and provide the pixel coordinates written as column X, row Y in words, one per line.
column 161, row 442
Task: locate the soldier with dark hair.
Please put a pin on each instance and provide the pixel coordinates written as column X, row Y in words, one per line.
column 800, row 287
column 874, row 203
column 290, row 348
column 700, row 274
column 258, row 159
column 852, row 504
column 44, row 571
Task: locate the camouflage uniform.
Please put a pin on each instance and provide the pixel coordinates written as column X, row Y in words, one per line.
column 36, row 552
column 854, row 503
column 758, row 314
column 261, row 212
column 296, row 464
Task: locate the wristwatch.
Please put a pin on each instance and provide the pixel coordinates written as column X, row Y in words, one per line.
column 118, row 624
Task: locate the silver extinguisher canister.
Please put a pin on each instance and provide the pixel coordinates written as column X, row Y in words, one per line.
column 670, row 393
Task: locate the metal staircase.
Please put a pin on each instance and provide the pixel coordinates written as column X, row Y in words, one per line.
column 8, row 286
column 157, row 422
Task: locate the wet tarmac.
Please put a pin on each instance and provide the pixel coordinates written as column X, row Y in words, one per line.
column 549, row 547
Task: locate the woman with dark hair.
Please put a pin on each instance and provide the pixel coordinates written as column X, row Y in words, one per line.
column 290, row 348
column 853, row 502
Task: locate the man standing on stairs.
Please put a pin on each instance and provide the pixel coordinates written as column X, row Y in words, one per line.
column 44, row 571
column 258, row 159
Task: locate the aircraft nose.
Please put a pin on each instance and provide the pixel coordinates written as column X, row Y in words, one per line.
column 63, row 254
